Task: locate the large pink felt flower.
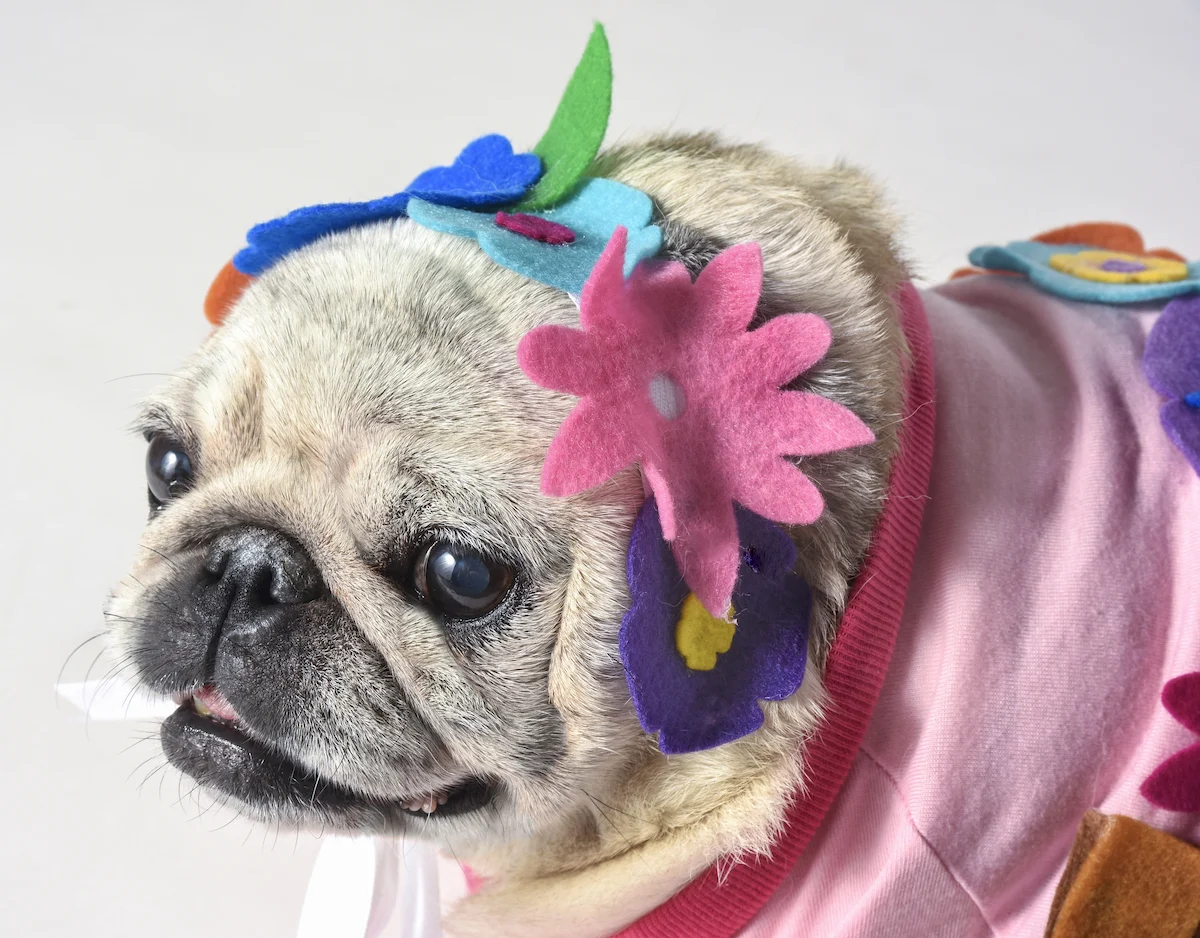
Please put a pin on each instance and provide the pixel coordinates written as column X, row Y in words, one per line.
column 671, row 379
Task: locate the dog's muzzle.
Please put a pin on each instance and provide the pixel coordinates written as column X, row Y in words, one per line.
column 232, row 638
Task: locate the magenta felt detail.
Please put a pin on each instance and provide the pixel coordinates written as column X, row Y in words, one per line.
column 728, row 426
column 693, row 710
column 1175, row 785
column 535, row 228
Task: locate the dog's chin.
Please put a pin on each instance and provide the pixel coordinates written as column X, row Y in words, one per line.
column 267, row 785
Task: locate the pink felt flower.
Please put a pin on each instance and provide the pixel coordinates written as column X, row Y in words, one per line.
column 671, row 379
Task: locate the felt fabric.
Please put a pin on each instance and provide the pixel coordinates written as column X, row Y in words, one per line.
column 1033, row 259
column 700, row 637
column 976, row 271
column 1172, row 366
column 1125, row 879
column 1114, row 236
column 593, row 213
column 1055, row 590
column 693, row 709
column 486, row 172
column 577, row 129
column 728, row 441
column 1116, row 267
column 1175, row 785
column 226, row 289
column 727, row 896
column 535, row 228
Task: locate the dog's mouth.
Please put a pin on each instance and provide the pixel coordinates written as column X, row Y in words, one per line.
column 207, row 739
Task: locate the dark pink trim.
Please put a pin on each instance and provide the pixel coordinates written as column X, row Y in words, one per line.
column 858, row 663
column 535, row 228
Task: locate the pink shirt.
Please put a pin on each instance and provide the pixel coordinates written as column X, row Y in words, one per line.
column 1055, row 589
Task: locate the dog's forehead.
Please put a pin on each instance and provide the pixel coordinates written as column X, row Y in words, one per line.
column 389, row 327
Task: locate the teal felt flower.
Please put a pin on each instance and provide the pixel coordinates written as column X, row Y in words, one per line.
column 592, row 214
column 1091, row 274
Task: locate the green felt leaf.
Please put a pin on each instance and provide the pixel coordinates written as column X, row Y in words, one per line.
column 576, row 131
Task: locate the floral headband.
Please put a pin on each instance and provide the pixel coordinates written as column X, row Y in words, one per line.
column 670, row 379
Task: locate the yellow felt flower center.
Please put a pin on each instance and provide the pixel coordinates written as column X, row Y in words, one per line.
column 1119, row 267
column 700, row 637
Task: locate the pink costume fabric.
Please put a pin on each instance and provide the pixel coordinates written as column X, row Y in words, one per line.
column 1055, row 591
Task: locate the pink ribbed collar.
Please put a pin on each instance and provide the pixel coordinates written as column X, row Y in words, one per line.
column 719, row 907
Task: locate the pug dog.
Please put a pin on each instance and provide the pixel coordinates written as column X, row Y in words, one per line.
column 375, row 622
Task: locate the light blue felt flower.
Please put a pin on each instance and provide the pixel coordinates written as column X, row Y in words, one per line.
column 1086, row 273
column 593, row 213
column 486, row 172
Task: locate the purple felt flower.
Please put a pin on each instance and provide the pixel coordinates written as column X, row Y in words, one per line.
column 1172, row 365
column 486, row 172
column 696, row 680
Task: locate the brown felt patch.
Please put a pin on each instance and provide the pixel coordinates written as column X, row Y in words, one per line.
column 1125, row 879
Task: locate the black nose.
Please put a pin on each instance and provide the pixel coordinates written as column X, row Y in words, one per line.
column 252, row 571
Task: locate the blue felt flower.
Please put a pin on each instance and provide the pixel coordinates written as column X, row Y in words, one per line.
column 592, row 214
column 486, row 172
column 696, row 680
column 1091, row 274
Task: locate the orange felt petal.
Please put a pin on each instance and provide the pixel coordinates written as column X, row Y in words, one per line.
column 226, row 289
column 1167, row 254
column 1109, row 235
column 973, row 271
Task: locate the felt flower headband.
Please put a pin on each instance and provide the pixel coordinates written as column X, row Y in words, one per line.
column 671, row 379
column 551, row 225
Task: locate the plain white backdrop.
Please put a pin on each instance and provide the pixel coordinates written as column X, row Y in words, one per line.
column 138, row 141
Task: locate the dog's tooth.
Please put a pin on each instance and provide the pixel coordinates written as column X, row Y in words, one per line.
column 442, row 799
column 430, row 805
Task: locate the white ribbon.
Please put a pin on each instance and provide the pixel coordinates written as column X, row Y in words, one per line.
column 360, row 887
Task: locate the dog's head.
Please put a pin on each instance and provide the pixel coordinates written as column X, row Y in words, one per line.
column 372, row 616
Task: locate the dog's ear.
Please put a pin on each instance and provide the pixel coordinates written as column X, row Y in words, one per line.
column 737, row 192
column 226, row 289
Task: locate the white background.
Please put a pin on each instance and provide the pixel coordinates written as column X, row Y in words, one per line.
column 138, row 141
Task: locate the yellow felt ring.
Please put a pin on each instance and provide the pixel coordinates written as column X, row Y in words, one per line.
column 1090, row 265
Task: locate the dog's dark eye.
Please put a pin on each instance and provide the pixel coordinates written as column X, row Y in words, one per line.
column 168, row 469
column 460, row 582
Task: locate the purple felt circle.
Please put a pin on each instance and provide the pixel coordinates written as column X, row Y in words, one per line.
column 1117, row 266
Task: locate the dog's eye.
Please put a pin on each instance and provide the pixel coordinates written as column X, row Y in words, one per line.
column 168, row 469
column 460, row 582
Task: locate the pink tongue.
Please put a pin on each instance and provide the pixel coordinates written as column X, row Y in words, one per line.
column 216, row 702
